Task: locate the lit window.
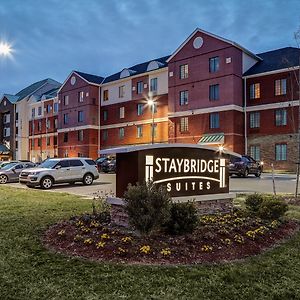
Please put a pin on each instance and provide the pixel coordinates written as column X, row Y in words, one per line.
column 121, row 91
column 214, row 92
column 139, row 131
column 255, row 152
column 280, row 87
column 80, row 96
column 105, row 95
column 254, row 119
column 281, row 117
column 140, row 108
column 281, row 152
column 140, row 87
column 214, row 120
column 214, row 64
column 153, row 84
column 66, row 100
column 122, row 112
column 80, row 116
column 255, row 91
column 121, row 132
column 183, row 71
column 184, row 124
column 183, row 97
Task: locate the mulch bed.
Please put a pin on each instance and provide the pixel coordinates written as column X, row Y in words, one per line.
column 218, row 238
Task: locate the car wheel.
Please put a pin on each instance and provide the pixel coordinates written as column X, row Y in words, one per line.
column 47, row 183
column 3, row 179
column 258, row 173
column 246, row 173
column 88, row 179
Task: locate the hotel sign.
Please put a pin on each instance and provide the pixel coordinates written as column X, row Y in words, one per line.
column 184, row 171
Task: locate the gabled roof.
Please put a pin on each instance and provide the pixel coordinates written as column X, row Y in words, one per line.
column 34, row 87
column 139, row 68
column 11, row 98
column 275, row 60
column 90, row 78
column 216, row 37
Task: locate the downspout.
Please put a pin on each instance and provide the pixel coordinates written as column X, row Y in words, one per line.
column 245, row 115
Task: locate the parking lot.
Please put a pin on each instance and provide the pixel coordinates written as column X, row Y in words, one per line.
column 284, row 183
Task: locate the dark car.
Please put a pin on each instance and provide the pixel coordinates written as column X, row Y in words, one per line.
column 100, row 161
column 244, row 165
column 109, row 166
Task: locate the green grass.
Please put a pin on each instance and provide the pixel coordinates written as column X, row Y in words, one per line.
column 28, row 271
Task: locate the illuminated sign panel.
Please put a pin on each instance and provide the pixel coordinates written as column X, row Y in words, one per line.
column 184, row 171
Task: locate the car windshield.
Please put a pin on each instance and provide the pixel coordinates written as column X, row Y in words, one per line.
column 48, row 164
column 235, row 159
column 8, row 166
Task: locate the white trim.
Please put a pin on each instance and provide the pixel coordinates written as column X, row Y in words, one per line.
column 272, row 72
column 43, row 135
column 216, row 37
column 272, row 105
column 78, row 145
column 205, row 110
column 142, row 122
column 78, row 128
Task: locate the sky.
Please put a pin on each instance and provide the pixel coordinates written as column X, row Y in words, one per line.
column 51, row 38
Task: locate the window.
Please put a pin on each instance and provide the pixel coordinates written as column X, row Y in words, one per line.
column 55, row 140
column 55, row 123
column 6, row 131
column 32, row 143
column 48, row 108
column 66, row 100
column 184, row 124
column 39, row 142
column 48, row 140
column 17, row 145
column 76, row 162
column 183, row 71
column 66, row 118
column 214, row 64
column 121, row 132
column 6, row 118
column 121, row 91
column 17, row 116
column 66, row 137
column 105, row 115
column 64, row 163
column 214, row 120
column 48, row 124
column 55, row 107
column 140, row 87
column 80, row 154
column 255, row 91
column 214, row 92
column 104, row 134
column 139, row 131
column 122, row 112
column 140, row 108
column 39, row 110
column 17, row 130
column 254, row 119
column 105, row 95
column 80, row 116
column 33, row 112
column 153, row 84
column 80, row 96
column 280, row 117
column 39, row 125
column 280, row 87
column 153, row 130
column 255, row 152
column 90, row 162
column 80, row 135
column 183, row 97
column 280, row 152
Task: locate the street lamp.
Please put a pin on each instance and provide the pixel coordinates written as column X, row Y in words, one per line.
column 5, row 49
column 151, row 104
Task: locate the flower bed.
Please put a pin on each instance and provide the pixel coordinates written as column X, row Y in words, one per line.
column 216, row 238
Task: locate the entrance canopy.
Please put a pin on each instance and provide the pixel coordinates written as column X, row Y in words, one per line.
column 208, row 139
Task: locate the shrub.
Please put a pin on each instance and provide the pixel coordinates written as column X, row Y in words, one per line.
column 183, row 218
column 253, row 202
column 272, row 208
column 147, row 206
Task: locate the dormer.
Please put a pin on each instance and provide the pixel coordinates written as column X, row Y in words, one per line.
column 153, row 65
column 126, row 72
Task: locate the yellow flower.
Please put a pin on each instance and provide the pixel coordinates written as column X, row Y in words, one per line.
column 88, row 241
column 77, row 237
column 145, row 249
column 251, row 234
column 122, row 250
column 100, row 244
column 85, row 229
column 206, row 248
column 126, row 239
column 79, row 223
column 165, row 251
column 104, row 236
column 239, row 239
column 226, row 241
column 61, row 233
column 94, row 224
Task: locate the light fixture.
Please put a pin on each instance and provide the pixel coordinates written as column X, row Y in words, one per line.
column 150, row 102
column 221, row 148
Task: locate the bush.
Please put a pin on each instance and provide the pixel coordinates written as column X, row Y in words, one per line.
column 272, row 208
column 253, row 202
column 183, row 218
column 147, row 206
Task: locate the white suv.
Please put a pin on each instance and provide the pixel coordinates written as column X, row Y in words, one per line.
column 60, row 170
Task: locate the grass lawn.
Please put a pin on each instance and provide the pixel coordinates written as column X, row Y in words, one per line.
column 28, row 271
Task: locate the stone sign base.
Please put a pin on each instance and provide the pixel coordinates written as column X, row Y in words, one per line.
column 205, row 205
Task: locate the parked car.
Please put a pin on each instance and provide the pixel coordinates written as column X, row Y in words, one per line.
column 100, row 161
column 109, row 166
column 10, row 172
column 244, row 165
column 60, row 170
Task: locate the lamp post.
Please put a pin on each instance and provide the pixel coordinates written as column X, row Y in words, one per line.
column 151, row 105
